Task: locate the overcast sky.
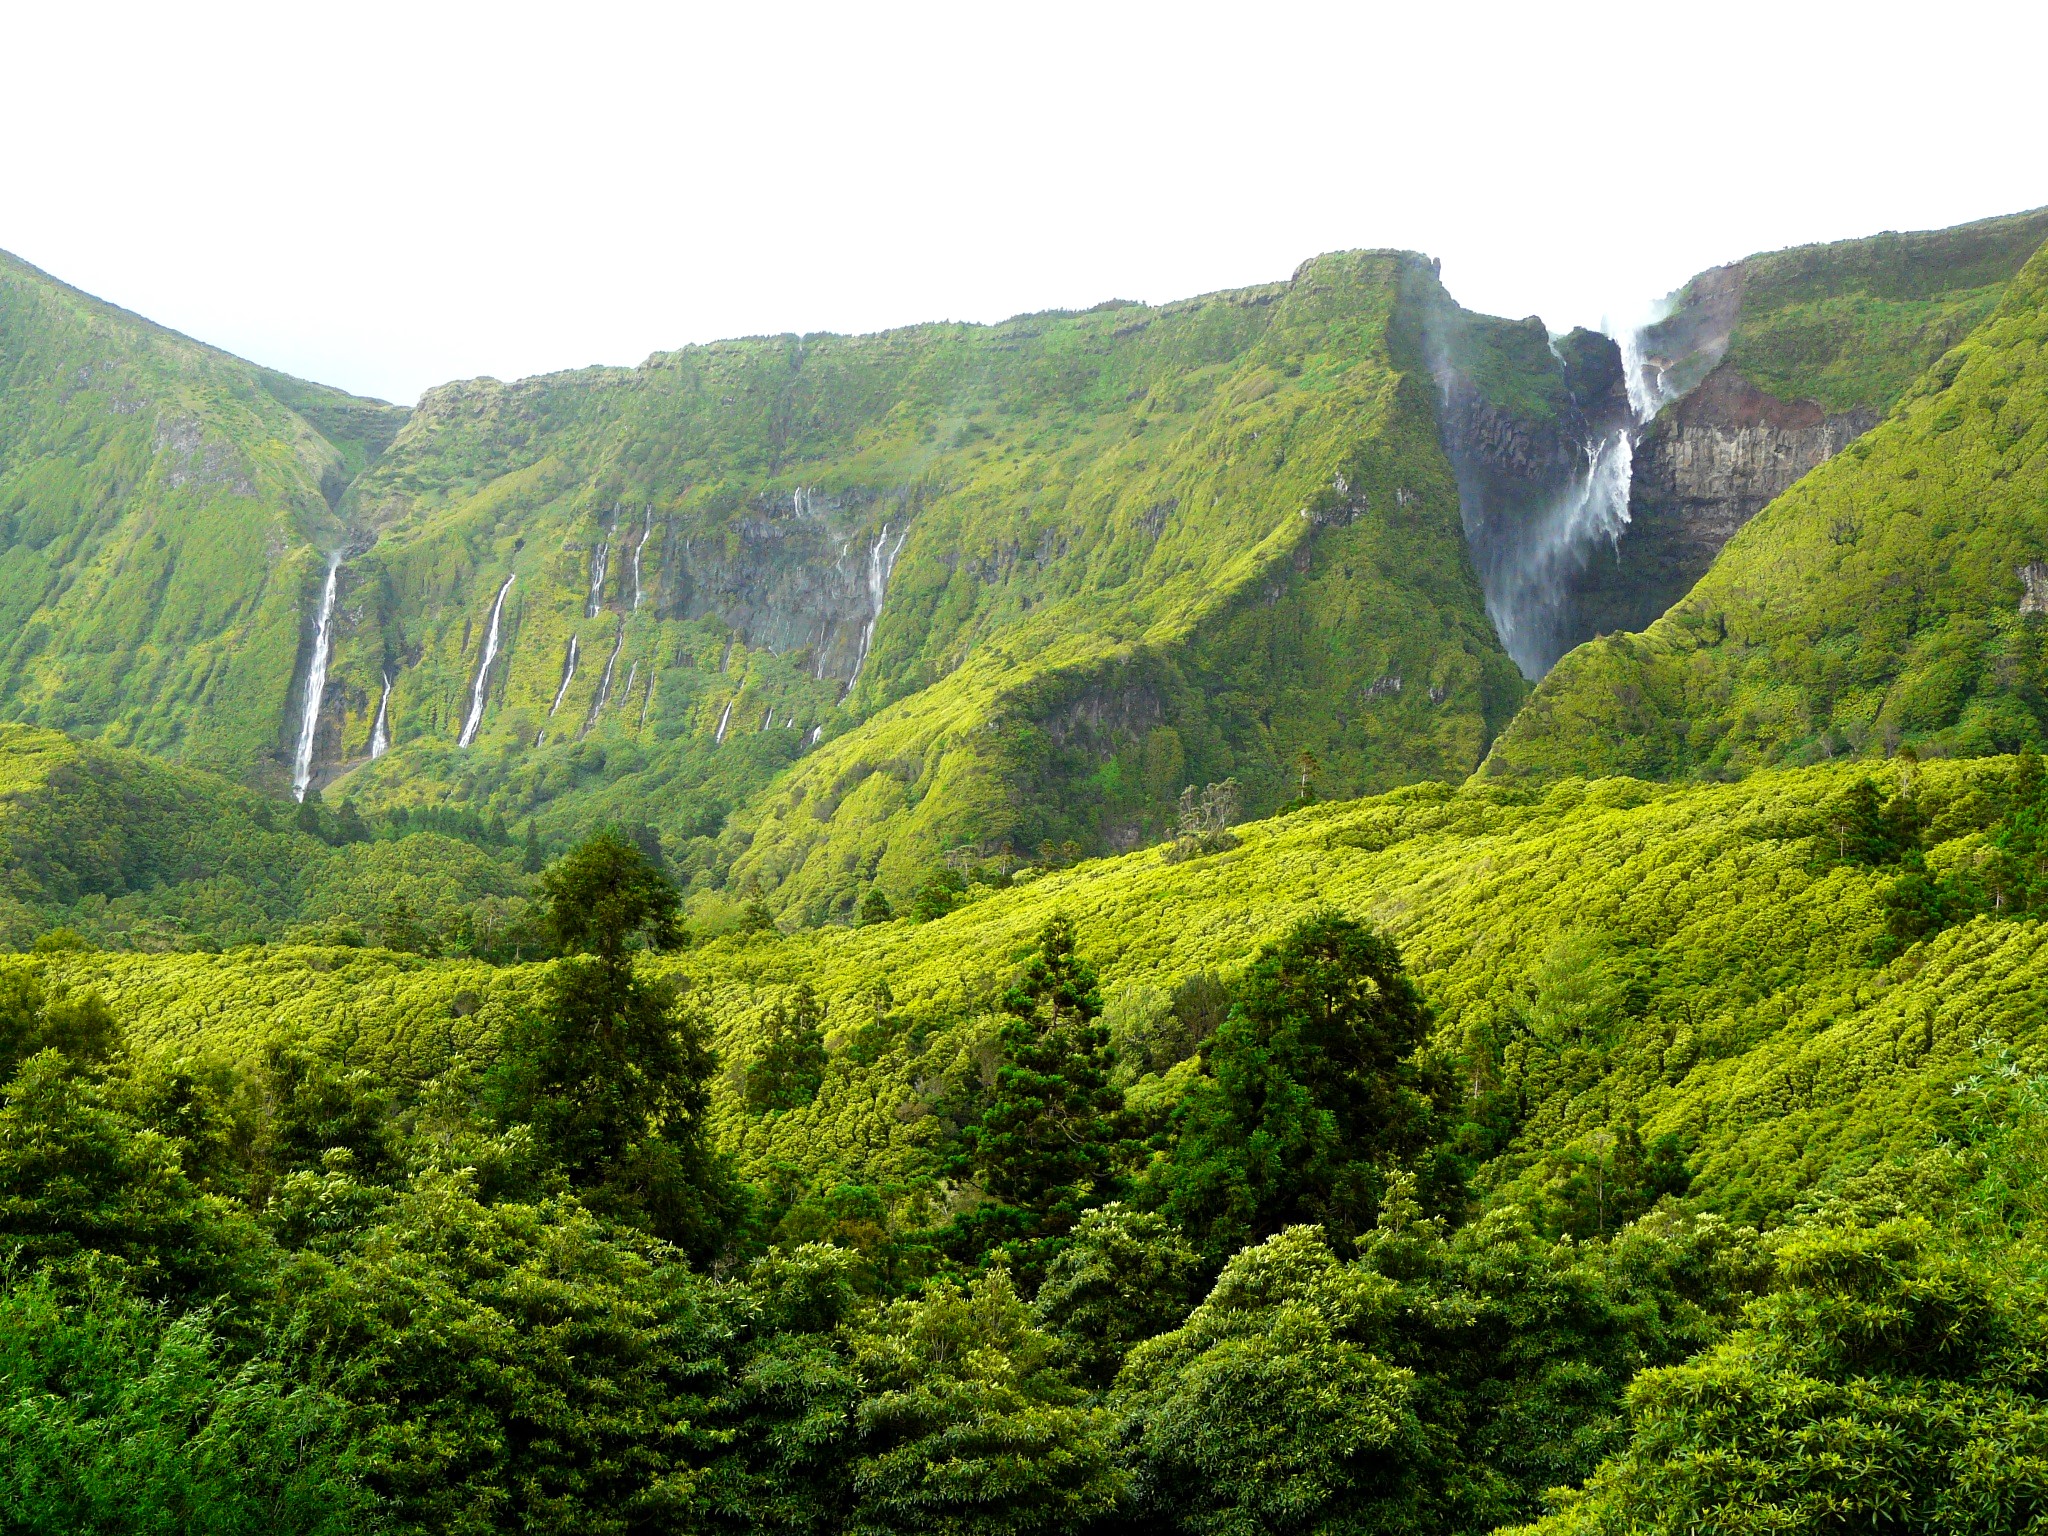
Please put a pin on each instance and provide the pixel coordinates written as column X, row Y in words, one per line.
column 387, row 196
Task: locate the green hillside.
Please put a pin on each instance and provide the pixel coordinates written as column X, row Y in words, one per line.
column 1851, row 324
column 131, row 853
column 1700, row 957
column 1127, row 550
column 1880, row 603
column 162, row 506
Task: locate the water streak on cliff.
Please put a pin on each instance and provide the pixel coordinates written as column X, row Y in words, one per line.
column 316, row 684
column 481, row 689
column 380, row 733
column 724, row 719
column 881, row 559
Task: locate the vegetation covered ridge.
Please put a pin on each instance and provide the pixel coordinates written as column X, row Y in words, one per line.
column 1669, row 1109
column 164, row 511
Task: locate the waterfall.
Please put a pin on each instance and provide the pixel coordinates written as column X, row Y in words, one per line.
column 879, row 565
column 483, row 672
column 316, row 684
column 597, row 565
column 1528, row 599
column 724, row 720
column 568, row 676
column 646, row 699
column 645, row 530
column 604, row 684
column 812, row 739
column 380, row 733
column 769, row 718
column 632, row 672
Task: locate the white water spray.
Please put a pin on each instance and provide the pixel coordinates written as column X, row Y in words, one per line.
column 812, row 739
column 881, row 559
column 724, row 720
column 380, row 733
column 483, row 672
column 568, row 676
column 1527, row 601
column 316, row 684
column 604, row 684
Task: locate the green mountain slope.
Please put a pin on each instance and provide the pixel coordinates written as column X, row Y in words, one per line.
column 161, row 510
column 1696, row 959
column 962, row 586
column 1891, row 597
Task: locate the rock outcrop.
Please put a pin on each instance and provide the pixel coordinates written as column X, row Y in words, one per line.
column 1702, row 469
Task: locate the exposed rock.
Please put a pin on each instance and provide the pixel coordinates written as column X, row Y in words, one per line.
column 1703, row 468
column 2034, row 578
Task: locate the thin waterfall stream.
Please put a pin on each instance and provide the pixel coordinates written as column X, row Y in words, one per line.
column 481, row 691
column 316, row 684
column 380, row 733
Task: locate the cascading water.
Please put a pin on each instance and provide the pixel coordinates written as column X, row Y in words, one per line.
column 380, row 733
column 604, row 684
column 478, row 692
column 1528, row 596
column 568, row 676
column 597, row 569
column 724, row 719
column 316, row 684
column 638, row 548
column 881, row 559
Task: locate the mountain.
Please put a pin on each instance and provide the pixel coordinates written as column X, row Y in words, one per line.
column 988, row 587
column 1890, row 598
column 161, row 509
column 822, row 611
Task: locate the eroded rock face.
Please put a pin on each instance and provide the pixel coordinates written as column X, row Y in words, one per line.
column 810, row 573
column 1702, row 469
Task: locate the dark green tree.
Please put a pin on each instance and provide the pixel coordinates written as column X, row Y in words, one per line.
column 1311, row 1087
column 533, row 860
column 875, row 908
column 791, row 1065
column 612, row 1070
column 1045, row 1138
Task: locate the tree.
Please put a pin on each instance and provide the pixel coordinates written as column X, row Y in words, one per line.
column 1310, row 1086
column 937, row 894
column 533, row 861
column 605, row 897
column 1045, row 1136
column 968, row 1425
column 404, row 932
column 1887, row 1384
column 611, row 1070
column 791, row 1065
column 1125, row 1276
column 1264, row 1412
column 875, row 908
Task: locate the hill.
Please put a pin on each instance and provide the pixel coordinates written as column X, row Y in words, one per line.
column 162, row 511
column 1698, row 961
column 1891, row 598
column 137, row 854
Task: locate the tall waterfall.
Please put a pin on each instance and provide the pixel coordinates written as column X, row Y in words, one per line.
column 1528, row 598
column 568, row 676
column 724, row 719
column 380, row 733
column 880, row 561
column 316, row 684
column 483, row 672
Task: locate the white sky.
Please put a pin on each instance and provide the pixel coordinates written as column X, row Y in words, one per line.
column 384, row 196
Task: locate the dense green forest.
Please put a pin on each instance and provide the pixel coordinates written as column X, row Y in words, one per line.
column 1444, row 1149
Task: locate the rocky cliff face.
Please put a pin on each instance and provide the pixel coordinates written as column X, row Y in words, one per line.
column 1702, row 469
